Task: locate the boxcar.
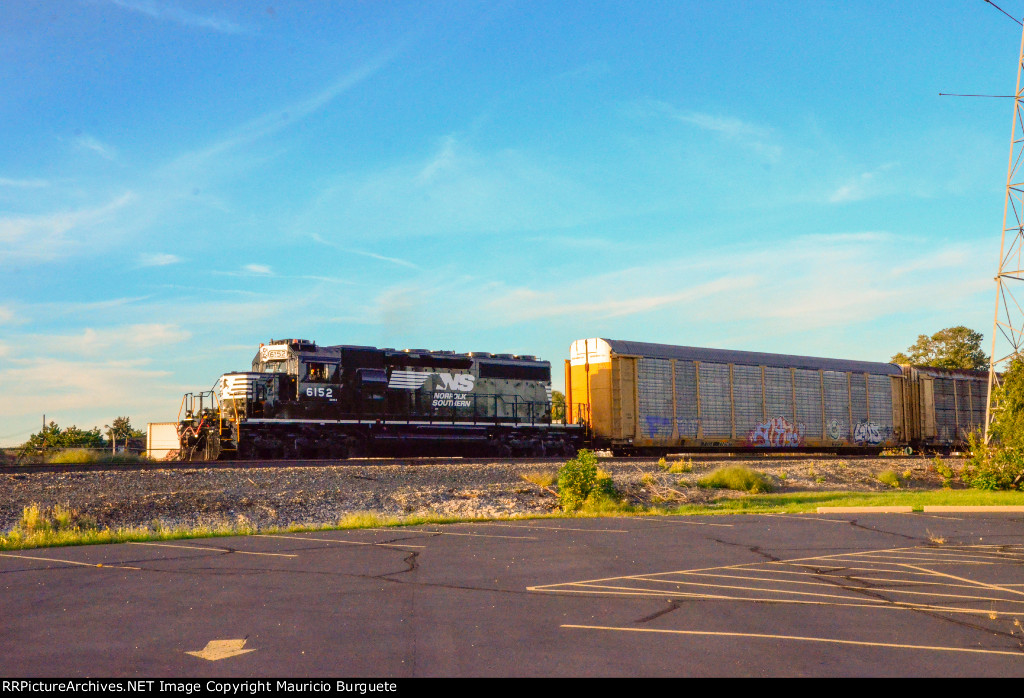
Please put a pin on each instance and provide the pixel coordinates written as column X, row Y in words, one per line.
column 642, row 397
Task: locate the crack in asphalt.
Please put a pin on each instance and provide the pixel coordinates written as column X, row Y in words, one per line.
column 672, row 605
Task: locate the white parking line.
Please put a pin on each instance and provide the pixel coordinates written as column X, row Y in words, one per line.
column 334, row 540
column 198, row 547
column 69, row 562
column 798, row 638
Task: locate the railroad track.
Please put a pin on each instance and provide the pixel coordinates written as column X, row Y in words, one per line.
column 773, row 457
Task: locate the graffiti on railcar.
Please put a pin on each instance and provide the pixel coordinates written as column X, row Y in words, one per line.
column 866, row 433
column 658, row 426
column 835, row 429
column 777, row 433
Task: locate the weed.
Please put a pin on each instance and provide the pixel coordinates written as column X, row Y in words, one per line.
column 37, row 521
column 811, row 472
column 647, row 479
column 32, row 519
column 683, row 465
column 576, row 479
column 63, row 517
column 604, row 486
column 992, row 467
column 890, row 478
column 934, row 539
column 540, row 478
column 946, row 472
column 737, row 477
column 662, row 463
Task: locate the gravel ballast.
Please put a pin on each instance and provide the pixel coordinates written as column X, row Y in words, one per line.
column 323, row 494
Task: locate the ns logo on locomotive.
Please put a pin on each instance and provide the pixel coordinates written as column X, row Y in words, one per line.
column 302, row 400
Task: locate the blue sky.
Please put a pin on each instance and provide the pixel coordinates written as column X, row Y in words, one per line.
column 180, row 181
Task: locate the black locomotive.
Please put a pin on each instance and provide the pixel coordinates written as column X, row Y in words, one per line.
column 301, row 400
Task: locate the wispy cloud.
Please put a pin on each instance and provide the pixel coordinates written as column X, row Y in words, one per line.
column 744, row 133
column 124, row 339
column 863, row 186
column 258, row 269
column 167, row 12
column 93, row 144
column 24, row 183
column 280, row 118
column 47, row 236
column 371, row 255
column 457, row 190
column 158, row 259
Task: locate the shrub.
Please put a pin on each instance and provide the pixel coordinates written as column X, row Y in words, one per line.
column 889, row 477
column 993, row 467
column 737, row 477
column 74, row 455
column 576, row 479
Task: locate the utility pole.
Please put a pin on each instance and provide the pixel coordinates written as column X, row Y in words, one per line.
column 1009, row 316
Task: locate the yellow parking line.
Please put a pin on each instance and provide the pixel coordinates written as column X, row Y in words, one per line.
column 450, row 533
column 334, row 540
column 765, row 636
column 70, row 562
column 551, row 528
column 852, row 590
column 688, row 523
column 199, row 547
column 971, row 581
column 890, row 606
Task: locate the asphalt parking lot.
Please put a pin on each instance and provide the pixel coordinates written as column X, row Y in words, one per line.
column 756, row 595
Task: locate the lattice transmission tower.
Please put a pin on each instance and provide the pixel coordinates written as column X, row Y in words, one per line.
column 1008, row 326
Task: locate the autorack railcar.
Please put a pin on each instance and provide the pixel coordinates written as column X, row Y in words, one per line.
column 302, row 400
column 638, row 397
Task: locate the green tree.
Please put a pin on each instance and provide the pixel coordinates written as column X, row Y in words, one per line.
column 122, row 429
column 557, row 406
column 953, row 347
column 52, row 437
column 1008, row 420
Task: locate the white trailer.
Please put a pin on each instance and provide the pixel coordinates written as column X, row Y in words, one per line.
column 161, row 440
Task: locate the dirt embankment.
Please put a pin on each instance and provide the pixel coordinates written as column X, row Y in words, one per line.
column 324, row 494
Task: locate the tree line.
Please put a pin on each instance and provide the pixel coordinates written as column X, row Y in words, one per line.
column 54, row 438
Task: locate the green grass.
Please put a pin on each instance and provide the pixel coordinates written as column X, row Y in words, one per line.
column 86, row 456
column 804, row 502
column 61, row 526
column 736, row 477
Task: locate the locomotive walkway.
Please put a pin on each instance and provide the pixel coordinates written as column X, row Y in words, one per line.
column 863, row 594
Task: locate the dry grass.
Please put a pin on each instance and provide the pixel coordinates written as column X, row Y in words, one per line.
column 541, row 478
